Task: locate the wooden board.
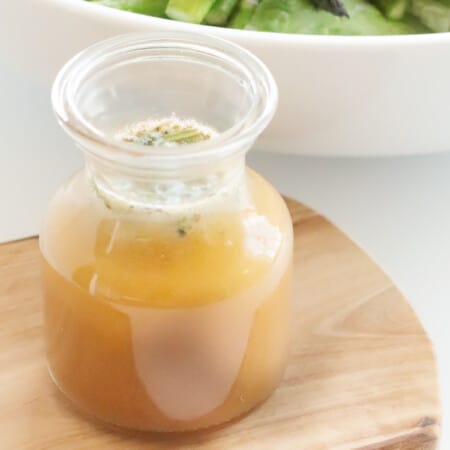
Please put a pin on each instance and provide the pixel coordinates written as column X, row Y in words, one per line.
column 361, row 375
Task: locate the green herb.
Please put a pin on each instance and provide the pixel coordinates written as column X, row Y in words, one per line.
column 186, row 224
column 165, row 132
column 186, row 136
column 183, row 225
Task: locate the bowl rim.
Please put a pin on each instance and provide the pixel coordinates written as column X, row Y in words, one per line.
column 92, row 10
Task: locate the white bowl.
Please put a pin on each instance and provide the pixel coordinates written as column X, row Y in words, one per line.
column 338, row 95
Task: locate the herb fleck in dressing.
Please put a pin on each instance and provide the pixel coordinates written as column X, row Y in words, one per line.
column 168, row 131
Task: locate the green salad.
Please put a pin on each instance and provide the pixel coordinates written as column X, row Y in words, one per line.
column 334, row 17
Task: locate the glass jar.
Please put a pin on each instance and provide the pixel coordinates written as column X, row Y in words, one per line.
column 166, row 269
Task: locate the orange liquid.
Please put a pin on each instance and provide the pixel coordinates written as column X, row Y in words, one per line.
column 165, row 324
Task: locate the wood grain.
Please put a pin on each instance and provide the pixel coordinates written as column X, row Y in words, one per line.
column 361, row 376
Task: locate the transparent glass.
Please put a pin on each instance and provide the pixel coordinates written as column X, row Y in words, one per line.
column 166, row 269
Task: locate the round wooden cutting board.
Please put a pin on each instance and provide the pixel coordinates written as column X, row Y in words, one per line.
column 361, row 374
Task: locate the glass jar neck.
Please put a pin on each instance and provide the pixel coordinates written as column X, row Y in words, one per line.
column 203, row 184
column 134, row 78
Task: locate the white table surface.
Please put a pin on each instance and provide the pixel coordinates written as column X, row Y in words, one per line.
column 398, row 210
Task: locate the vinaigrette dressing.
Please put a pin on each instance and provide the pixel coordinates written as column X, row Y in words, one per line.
column 191, row 348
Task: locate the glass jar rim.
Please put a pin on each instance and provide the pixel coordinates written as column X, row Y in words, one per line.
column 239, row 136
